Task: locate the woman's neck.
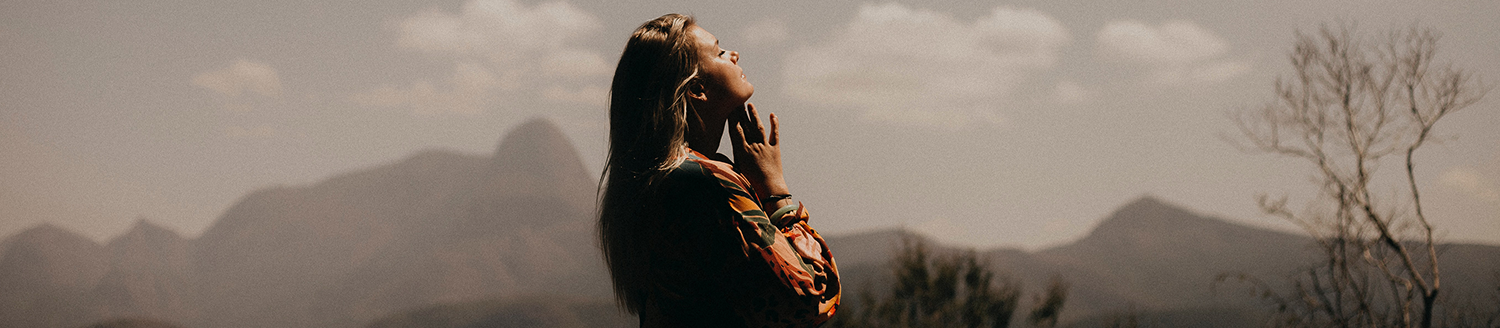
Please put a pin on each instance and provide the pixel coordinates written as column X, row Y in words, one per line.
column 706, row 140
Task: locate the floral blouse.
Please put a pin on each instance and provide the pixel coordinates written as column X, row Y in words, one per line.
column 723, row 261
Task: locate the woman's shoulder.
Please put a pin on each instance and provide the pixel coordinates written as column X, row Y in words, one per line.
column 690, row 170
column 697, row 169
column 705, row 170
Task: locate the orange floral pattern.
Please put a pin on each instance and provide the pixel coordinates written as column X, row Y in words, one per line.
column 806, row 285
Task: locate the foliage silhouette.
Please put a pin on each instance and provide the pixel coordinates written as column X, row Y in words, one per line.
column 947, row 290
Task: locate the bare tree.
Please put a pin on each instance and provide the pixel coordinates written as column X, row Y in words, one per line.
column 1351, row 102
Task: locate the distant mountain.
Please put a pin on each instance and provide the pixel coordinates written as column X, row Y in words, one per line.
column 133, row 323
column 1153, row 255
column 1158, row 261
column 442, row 239
column 150, row 275
column 435, row 227
column 45, row 275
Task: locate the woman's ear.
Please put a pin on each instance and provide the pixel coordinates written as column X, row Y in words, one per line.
column 697, row 92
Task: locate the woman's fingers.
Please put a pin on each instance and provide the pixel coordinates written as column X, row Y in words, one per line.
column 760, row 130
column 744, row 119
column 748, row 113
column 737, row 135
column 775, row 131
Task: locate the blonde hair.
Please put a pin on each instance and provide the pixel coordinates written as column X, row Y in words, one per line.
column 648, row 113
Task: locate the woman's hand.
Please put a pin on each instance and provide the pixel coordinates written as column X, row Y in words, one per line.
column 756, row 154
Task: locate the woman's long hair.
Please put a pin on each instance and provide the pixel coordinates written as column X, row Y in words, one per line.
column 648, row 113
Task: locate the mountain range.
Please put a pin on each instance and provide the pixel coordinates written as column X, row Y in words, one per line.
column 1161, row 263
column 444, row 239
column 434, row 227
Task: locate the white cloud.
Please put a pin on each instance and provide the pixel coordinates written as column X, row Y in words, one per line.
column 905, row 65
column 241, row 77
column 466, row 92
column 498, row 29
column 1173, row 41
column 1177, row 52
column 501, row 50
column 765, row 31
column 1469, row 181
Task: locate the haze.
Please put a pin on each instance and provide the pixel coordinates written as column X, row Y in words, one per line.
column 1018, row 123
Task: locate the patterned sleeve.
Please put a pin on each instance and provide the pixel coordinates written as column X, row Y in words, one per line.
column 793, row 251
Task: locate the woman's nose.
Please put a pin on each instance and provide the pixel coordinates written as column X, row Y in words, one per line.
column 734, row 57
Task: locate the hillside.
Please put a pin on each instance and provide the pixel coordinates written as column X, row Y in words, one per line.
column 435, row 227
column 1159, row 261
column 443, row 239
column 45, row 276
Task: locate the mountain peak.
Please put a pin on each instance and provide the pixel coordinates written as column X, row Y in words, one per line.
column 144, row 226
column 536, row 158
column 48, row 255
column 1152, row 225
column 144, row 231
column 1147, row 201
column 539, row 148
column 536, row 137
column 49, row 233
column 1150, row 213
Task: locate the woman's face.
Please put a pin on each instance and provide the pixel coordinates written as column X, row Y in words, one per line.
column 724, row 81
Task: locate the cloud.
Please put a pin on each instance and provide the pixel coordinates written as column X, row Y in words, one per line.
column 1173, row 41
column 1470, row 182
column 913, row 66
column 1177, row 52
column 501, row 30
column 765, row 31
column 466, row 92
column 500, row 50
column 241, row 77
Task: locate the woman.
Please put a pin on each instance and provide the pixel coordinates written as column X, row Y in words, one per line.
column 695, row 240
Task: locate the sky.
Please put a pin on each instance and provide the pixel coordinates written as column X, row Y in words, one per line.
column 987, row 124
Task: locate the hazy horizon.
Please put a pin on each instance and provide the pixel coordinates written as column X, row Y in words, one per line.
column 113, row 111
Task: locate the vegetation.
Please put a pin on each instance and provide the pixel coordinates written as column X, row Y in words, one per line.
column 1124, row 320
column 1047, row 308
column 956, row 290
column 133, row 323
column 540, row 311
column 1352, row 102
